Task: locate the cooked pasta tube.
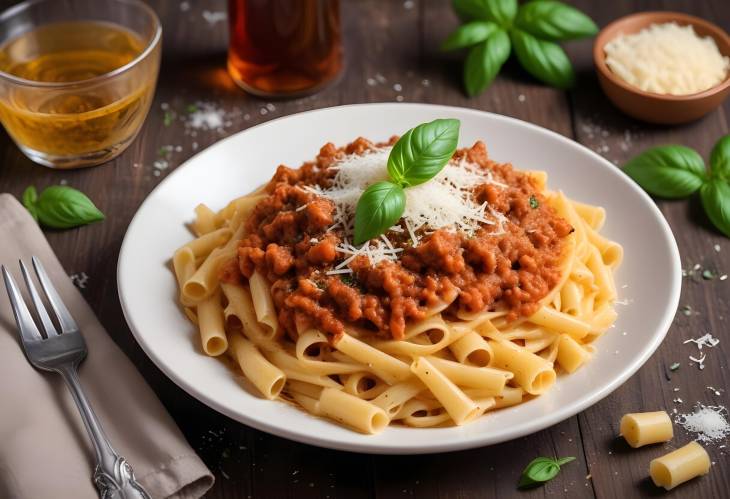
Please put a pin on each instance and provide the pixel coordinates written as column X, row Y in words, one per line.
column 183, row 263
column 364, row 385
column 488, row 379
column 307, row 389
column 571, row 354
column 435, row 330
column 210, row 321
column 644, row 428
column 352, row 411
column 205, row 279
column 204, row 220
column 265, row 376
column 594, row 216
column 460, row 407
column 533, row 373
column 390, row 369
column 205, row 244
column 392, row 399
column 420, row 414
column 560, row 322
column 263, row 304
column 679, row 466
column 471, row 349
column 570, row 298
column 510, row 396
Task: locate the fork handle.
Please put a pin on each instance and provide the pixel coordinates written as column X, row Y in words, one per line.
column 113, row 476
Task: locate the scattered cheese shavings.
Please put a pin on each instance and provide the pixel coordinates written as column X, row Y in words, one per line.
column 80, row 280
column 704, row 341
column 700, row 362
column 709, row 423
column 443, row 202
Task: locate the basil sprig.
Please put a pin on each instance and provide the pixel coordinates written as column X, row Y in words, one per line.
column 60, row 207
column 494, row 27
column 418, row 156
column 676, row 172
column 541, row 470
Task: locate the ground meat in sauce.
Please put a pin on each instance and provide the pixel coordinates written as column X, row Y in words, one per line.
column 288, row 242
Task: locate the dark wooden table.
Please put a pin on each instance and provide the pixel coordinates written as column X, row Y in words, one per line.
column 391, row 43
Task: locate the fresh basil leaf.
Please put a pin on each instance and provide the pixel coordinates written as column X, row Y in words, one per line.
column 501, row 12
column 544, row 60
column 565, row 460
column 379, row 208
column 469, row 34
column 62, row 207
column 423, row 151
column 484, row 62
column 715, row 196
column 668, row 171
column 30, row 198
column 541, row 470
column 553, row 20
column 720, row 159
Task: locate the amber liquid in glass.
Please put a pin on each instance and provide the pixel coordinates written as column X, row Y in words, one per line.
column 66, row 123
column 284, row 47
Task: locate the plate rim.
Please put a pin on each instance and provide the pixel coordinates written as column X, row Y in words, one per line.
column 325, row 441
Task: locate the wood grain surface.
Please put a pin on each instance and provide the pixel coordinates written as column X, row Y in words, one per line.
column 393, row 45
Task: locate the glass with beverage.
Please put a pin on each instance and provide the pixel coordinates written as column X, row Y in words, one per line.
column 77, row 77
column 284, row 47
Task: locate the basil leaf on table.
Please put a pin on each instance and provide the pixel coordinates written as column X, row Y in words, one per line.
column 556, row 21
column 379, row 207
column 500, row 11
column 62, row 207
column 544, row 60
column 469, row 34
column 715, row 196
column 30, row 198
column 541, row 470
column 720, row 159
column 484, row 62
column 668, row 171
column 421, row 153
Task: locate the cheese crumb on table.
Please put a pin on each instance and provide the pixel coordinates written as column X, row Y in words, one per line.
column 667, row 59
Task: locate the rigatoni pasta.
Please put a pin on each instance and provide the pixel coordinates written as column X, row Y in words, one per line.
column 425, row 326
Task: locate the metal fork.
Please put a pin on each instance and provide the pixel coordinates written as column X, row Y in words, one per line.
column 62, row 353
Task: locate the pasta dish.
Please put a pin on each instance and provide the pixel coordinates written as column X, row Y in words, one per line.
column 485, row 288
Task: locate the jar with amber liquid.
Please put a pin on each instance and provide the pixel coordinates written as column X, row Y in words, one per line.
column 284, row 47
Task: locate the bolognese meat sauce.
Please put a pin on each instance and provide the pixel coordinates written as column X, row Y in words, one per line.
column 291, row 240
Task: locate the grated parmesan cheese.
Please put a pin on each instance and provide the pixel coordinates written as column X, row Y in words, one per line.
column 667, row 59
column 443, row 202
column 708, row 422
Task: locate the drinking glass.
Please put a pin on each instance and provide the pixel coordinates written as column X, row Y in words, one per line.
column 80, row 118
column 284, row 47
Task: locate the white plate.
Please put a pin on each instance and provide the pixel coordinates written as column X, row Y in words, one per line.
column 648, row 280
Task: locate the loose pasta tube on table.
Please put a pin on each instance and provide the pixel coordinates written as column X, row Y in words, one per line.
column 460, row 407
column 643, row 428
column 352, row 411
column 265, row 376
column 679, row 466
column 533, row 373
column 212, row 329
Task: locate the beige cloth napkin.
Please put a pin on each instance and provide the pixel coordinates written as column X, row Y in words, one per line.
column 44, row 450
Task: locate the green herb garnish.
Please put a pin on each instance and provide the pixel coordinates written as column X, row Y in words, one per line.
column 61, row 207
column 676, row 172
column 708, row 275
column 534, row 203
column 191, row 108
column 494, row 27
column 418, row 156
column 674, row 366
column 167, row 118
column 541, row 470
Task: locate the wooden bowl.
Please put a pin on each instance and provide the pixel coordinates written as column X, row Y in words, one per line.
column 649, row 106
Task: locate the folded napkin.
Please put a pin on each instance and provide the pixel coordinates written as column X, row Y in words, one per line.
column 44, row 449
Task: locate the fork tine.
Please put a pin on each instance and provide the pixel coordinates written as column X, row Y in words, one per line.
column 62, row 314
column 28, row 330
column 40, row 309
